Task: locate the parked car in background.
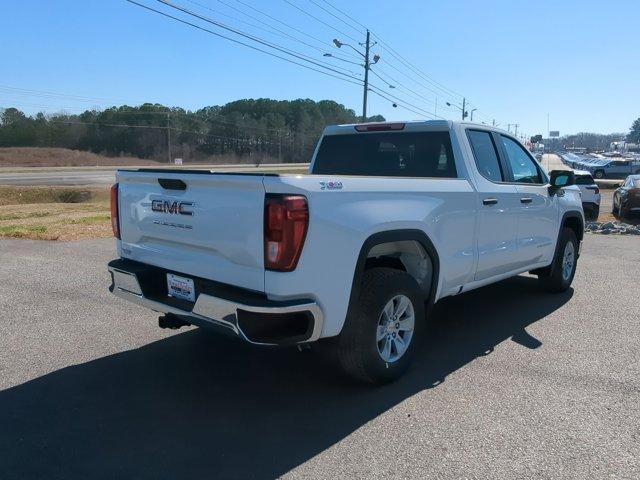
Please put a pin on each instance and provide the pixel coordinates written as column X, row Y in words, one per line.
column 590, row 194
column 626, row 199
column 614, row 168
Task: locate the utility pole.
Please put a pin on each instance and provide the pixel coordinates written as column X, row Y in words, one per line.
column 168, row 137
column 464, row 107
column 516, row 130
column 494, row 122
column 366, row 76
column 367, row 66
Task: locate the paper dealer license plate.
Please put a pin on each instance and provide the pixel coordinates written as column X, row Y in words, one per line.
column 180, row 287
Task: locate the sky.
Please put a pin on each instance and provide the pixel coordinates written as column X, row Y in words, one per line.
column 576, row 63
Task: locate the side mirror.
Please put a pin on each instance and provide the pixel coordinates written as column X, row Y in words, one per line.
column 559, row 179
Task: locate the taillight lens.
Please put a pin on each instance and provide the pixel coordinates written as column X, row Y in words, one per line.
column 115, row 221
column 286, row 218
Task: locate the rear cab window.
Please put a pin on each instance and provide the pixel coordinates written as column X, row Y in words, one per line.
column 582, row 179
column 386, row 154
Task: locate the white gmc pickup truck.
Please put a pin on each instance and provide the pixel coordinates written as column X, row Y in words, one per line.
column 391, row 218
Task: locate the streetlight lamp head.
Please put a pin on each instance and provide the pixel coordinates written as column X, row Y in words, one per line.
column 448, row 104
column 395, row 105
column 392, row 86
column 337, row 42
column 327, row 55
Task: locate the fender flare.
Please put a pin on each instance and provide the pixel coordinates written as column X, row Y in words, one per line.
column 395, row 236
column 573, row 214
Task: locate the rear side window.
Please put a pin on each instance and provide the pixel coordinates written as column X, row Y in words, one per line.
column 406, row 154
column 584, row 180
column 484, row 152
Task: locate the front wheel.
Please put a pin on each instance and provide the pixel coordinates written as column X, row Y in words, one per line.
column 559, row 276
column 615, row 209
column 599, row 174
column 381, row 333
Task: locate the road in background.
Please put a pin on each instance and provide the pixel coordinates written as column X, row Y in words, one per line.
column 106, row 176
column 512, row 383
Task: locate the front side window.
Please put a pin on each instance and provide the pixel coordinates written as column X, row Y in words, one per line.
column 522, row 166
column 393, row 154
column 484, row 152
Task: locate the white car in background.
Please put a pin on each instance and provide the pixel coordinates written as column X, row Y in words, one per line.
column 590, row 194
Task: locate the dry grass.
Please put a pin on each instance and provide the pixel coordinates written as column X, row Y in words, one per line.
column 62, row 157
column 55, row 221
column 17, row 157
column 29, row 195
column 54, row 213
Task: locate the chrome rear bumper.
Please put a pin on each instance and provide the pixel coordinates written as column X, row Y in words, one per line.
column 209, row 310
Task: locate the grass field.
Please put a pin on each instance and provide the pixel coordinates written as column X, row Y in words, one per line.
column 54, row 213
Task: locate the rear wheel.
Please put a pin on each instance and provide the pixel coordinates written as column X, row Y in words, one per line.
column 599, row 174
column 379, row 337
column 559, row 277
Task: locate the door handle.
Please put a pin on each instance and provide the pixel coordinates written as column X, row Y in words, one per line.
column 526, row 200
column 489, row 201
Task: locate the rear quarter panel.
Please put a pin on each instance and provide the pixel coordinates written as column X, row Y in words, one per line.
column 342, row 219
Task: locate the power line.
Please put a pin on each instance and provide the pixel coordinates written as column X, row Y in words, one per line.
column 398, row 84
column 241, row 43
column 401, row 100
column 396, row 103
column 265, row 27
column 321, row 21
column 256, row 39
column 336, row 16
column 271, row 17
column 345, row 14
column 415, row 69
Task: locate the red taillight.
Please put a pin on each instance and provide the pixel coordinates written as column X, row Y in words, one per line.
column 115, row 221
column 379, row 127
column 285, row 226
column 596, row 190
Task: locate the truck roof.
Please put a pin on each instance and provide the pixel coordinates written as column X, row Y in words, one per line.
column 403, row 125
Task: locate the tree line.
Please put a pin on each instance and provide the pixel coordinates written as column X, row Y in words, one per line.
column 246, row 131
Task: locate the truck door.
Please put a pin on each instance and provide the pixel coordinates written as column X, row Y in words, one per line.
column 499, row 204
column 538, row 211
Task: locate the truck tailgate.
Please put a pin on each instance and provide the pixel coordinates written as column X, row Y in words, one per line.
column 205, row 224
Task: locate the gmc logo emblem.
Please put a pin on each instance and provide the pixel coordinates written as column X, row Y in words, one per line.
column 174, row 208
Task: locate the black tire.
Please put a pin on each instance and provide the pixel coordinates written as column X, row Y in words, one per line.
column 615, row 210
column 553, row 280
column 357, row 348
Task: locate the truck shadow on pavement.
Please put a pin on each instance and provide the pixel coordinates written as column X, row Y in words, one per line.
column 196, row 405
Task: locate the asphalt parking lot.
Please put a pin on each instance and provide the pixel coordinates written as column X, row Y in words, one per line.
column 512, row 383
